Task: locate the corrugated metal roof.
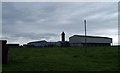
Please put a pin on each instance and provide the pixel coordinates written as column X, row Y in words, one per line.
column 91, row 36
column 38, row 41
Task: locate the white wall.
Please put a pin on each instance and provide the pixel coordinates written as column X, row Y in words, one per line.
column 95, row 40
column 78, row 39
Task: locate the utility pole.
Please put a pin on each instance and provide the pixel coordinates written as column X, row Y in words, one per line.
column 85, row 37
column 85, row 31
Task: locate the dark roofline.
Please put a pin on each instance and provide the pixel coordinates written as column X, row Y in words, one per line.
column 91, row 36
column 38, row 41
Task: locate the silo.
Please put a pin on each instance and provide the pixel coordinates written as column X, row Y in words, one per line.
column 63, row 36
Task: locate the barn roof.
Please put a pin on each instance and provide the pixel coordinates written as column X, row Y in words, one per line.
column 91, row 36
column 38, row 41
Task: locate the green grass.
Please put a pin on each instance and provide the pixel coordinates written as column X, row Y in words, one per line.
column 63, row 59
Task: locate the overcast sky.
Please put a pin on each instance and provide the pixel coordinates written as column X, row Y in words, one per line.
column 23, row 22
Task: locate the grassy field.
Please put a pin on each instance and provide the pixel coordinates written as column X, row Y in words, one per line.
column 63, row 59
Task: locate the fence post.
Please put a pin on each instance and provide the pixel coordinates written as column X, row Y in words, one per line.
column 4, row 52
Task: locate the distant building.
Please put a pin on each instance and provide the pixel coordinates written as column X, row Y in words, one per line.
column 42, row 43
column 63, row 43
column 25, row 45
column 75, row 40
column 51, row 44
column 79, row 40
column 13, row 45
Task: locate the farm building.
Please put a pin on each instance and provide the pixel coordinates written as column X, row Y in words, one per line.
column 80, row 40
column 42, row 43
column 51, row 44
column 75, row 40
column 13, row 45
column 45, row 44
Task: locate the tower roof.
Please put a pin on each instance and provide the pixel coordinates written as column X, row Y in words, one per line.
column 63, row 33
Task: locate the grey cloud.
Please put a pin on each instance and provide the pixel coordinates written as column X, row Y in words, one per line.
column 29, row 36
column 24, row 19
column 10, row 13
column 34, row 35
column 0, row 19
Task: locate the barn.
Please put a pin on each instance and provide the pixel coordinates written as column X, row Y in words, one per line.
column 42, row 43
column 52, row 44
column 81, row 40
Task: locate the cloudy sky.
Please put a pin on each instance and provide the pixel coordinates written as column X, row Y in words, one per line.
column 23, row 22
